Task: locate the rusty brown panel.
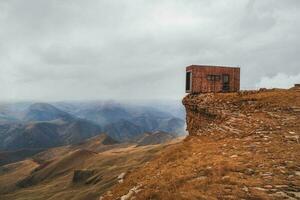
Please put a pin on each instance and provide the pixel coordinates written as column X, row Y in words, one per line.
column 200, row 84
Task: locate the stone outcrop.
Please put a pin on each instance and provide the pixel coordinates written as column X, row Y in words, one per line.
column 82, row 175
column 230, row 112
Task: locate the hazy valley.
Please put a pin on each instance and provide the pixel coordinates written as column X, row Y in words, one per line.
column 28, row 128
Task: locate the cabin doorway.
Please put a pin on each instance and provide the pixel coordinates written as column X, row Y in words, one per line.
column 225, row 80
column 188, row 82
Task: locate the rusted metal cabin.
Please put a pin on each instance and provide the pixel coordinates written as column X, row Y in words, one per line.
column 206, row 78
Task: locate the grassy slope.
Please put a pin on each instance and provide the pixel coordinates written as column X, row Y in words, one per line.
column 260, row 159
column 53, row 180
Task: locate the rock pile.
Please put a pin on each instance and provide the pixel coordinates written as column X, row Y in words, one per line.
column 82, row 175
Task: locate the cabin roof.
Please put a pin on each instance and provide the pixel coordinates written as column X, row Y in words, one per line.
column 214, row 66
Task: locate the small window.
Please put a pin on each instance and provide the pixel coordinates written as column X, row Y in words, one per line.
column 211, row 77
column 188, row 81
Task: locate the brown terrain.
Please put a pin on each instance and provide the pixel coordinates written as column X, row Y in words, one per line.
column 242, row 145
column 83, row 171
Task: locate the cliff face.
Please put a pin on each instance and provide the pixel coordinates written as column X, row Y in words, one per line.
column 241, row 113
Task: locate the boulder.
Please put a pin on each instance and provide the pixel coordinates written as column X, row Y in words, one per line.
column 82, row 175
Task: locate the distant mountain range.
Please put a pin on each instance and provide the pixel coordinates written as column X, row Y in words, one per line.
column 44, row 125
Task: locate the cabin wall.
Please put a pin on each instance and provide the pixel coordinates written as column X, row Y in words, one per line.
column 200, row 83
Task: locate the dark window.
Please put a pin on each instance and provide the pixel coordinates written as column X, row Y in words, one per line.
column 188, row 81
column 211, row 77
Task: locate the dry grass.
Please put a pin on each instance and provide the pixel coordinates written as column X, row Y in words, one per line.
column 52, row 179
column 249, row 164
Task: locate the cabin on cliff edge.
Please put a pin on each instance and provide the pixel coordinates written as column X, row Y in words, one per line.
column 207, row 78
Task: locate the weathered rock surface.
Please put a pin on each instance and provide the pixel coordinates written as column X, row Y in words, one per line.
column 82, row 175
column 241, row 146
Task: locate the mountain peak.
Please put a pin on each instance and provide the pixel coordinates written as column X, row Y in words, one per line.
column 106, row 139
column 45, row 112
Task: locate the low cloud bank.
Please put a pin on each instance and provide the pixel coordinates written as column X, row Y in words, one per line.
column 280, row 80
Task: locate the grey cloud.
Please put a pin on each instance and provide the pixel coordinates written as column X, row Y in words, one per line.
column 279, row 80
column 56, row 50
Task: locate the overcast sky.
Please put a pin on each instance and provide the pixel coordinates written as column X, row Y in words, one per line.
column 134, row 49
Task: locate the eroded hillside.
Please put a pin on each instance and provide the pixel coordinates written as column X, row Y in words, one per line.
column 83, row 171
column 241, row 146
